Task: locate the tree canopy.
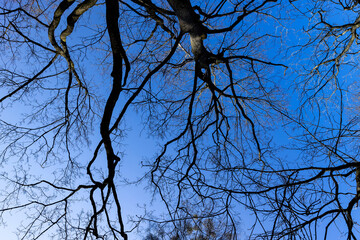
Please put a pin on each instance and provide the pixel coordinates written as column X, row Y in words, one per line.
column 253, row 106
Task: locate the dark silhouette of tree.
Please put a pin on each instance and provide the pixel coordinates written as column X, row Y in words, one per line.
column 193, row 228
column 254, row 104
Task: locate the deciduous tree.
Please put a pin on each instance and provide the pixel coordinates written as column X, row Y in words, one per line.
column 254, row 104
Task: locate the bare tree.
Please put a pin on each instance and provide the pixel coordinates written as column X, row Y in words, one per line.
column 194, row 228
column 211, row 79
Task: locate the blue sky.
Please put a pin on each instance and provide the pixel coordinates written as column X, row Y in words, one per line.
column 315, row 100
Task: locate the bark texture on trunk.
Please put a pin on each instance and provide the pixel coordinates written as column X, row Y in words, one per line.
column 190, row 23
